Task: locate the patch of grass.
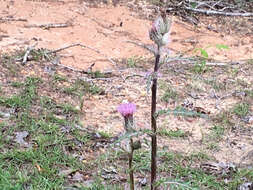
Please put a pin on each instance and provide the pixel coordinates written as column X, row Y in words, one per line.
column 38, row 167
column 213, row 146
column 169, row 92
column 39, row 54
column 81, row 87
column 99, row 185
column 184, row 171
column 217, row 132
column 135, row 61
column 34, row 169
column 224, row 118
column 8, row 62
column 250, row 61
column 26, row 97
column 68, row 109
column 214, row 84
column 243, row 83
column 241, row 109
column 168, row 95
column 47, row 103
column 172, row 133
column 141, row 161
column 96, row 74
column 17, row 84
column 132, row 62
column 249, row 93
column 59, row 78
column 200, row 67
column 156, row 2
column 105, row 134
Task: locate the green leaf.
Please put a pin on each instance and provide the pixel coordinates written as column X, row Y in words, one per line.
column 203, row 53
column 193, row 5
column 180, row 111
column 222, row 46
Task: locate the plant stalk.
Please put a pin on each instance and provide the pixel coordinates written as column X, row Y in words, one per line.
column 130, row 161
column 153, row 123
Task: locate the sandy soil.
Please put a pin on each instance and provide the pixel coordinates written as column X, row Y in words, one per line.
column 100, row 28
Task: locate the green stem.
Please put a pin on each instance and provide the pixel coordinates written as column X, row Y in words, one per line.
column 153, row 123
column 130, row 161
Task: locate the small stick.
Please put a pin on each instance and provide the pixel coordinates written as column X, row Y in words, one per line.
column 211, row 12
column 12, row 19
column 151, row 49
column 78, row 44
column 50, row 25
column 28, row 50
column 134, row 75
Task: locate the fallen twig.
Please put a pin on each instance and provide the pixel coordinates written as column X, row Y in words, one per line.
column 85, row 46
column 212, row 12
column 147, row 47
column 8, row 19
column 130, row 76
column 150, row 48
column 50, row 25
column 186, row 61
column 28, row 50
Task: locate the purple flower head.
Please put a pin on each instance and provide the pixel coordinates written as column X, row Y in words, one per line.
column 126, row 109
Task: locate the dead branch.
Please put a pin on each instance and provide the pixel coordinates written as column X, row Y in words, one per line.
column 28, row 50
column 147, row 47
column 190, row 61
column 48, row 26
column 131, row 76
column 9, row 19
column 212, row 12
column 70, row 68
column 84, row 46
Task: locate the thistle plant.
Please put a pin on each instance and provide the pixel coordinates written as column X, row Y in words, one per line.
column 127, row 110
column 159, row 33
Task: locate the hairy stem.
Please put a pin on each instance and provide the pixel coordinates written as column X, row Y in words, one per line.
column 153, row 123
column 130, row 160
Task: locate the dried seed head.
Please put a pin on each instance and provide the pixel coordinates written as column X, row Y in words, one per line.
column 159, row 32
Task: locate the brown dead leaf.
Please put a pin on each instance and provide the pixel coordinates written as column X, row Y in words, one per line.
column 38, row 168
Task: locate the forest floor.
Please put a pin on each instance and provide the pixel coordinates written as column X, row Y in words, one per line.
column 58, row 106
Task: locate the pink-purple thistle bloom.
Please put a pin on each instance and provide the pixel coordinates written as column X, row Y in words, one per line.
column 127, row 110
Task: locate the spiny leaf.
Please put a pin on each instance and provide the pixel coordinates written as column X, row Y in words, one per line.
column 149, row 82
column 132, row 134
column 180, row 112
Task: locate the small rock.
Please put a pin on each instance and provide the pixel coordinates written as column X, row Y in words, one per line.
column 77, row 177
column 246, row 186
column 143, row 181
